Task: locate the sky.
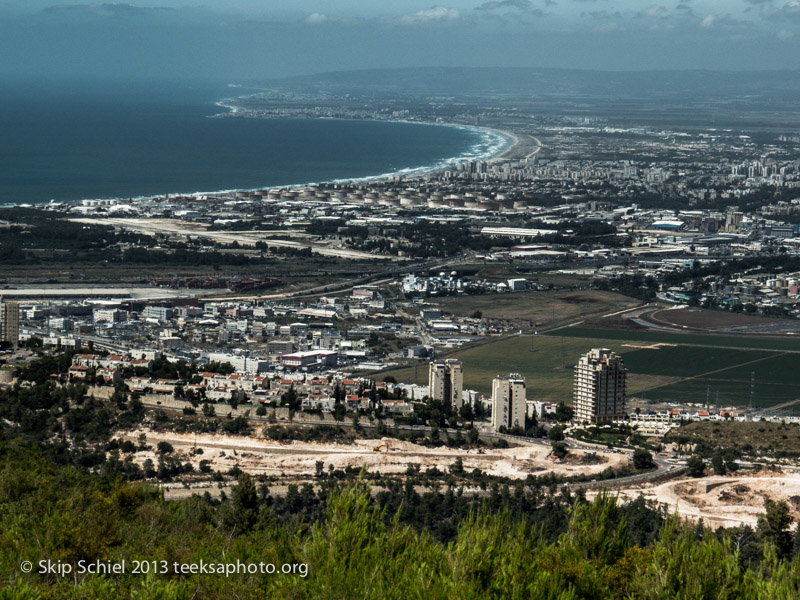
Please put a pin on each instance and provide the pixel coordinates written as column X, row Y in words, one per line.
column 245, row 40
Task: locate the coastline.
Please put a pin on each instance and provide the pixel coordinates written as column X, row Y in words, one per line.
column 499, row 143
column 511, row 142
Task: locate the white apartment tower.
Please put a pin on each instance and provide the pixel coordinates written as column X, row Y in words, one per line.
column 599, row 387
column 9, row 322
column 446, row 382
column 508, row 402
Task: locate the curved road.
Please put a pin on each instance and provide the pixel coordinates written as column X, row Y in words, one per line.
column 663, row 467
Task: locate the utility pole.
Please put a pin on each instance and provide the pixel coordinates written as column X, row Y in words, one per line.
column 752, row 388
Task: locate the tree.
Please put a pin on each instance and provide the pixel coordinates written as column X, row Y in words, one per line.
column 434, row 435
column 472, row 435
column 339, row 411
column 164, row 447
column 796, row 542
column 695, row 466
column 457, row 467
column 291, row 399
column 773, row 527
column 642, row 459
column 556, row 434
column 244, row 501
column 718, row 465
column 32, row 343
column 564, row 413
column 559, row 449
column 338, row 394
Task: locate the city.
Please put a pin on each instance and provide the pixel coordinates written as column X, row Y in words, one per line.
column 363, row 300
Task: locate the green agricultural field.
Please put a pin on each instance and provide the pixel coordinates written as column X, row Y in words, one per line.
column 690, row 361
column 684, row 339
column 687, row 368
column 711, row 366
column 545, row 362
column 777, row 382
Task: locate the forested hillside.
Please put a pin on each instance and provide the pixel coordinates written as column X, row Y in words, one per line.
column 354, row 549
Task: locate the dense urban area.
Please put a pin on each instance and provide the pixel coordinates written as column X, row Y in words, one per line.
column 578, row 346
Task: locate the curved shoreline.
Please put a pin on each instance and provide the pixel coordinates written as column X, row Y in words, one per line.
column 505, row 142
column 511, row 142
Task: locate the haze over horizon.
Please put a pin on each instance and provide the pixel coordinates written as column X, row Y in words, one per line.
column 247, row 39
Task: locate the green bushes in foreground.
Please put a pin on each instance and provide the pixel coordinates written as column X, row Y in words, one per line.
column 353, row 551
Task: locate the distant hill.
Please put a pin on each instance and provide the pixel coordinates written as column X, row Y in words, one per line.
column 565, row 83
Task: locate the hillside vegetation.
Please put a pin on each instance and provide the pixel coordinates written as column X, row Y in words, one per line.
column 353, row 549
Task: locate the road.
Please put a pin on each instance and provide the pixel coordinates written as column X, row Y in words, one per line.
column 373, row 278
column 663, row 467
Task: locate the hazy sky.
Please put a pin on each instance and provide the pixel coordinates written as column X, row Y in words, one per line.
column 240, row 39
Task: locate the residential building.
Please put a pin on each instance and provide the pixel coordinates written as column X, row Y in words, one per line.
column 508, row 402
column 9, row 321
column 280, row 347
column 599, row 387
column 446, row 382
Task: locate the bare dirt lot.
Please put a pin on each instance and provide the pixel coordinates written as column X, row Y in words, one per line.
column 181, row 229
column 546, row 307
column 724, row 501
column 297, row 460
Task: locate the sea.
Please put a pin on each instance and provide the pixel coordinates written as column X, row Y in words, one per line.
column 74, row 140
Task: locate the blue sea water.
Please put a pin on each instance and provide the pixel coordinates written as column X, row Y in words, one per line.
column 68, row 141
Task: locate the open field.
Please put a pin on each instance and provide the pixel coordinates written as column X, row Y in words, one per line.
column 658, row 370
column 544, row 307
column 179, row 229
column 293, row 271
column 500, row 271
column 721, row 321
column 716, row 367
column 546, row 363
column 690, row 361
column 776, row 383
column 686, row 339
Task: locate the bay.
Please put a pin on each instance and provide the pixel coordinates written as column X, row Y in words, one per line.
column 69, row 140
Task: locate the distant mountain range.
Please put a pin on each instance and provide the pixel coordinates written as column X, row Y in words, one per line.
column 543, row 83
